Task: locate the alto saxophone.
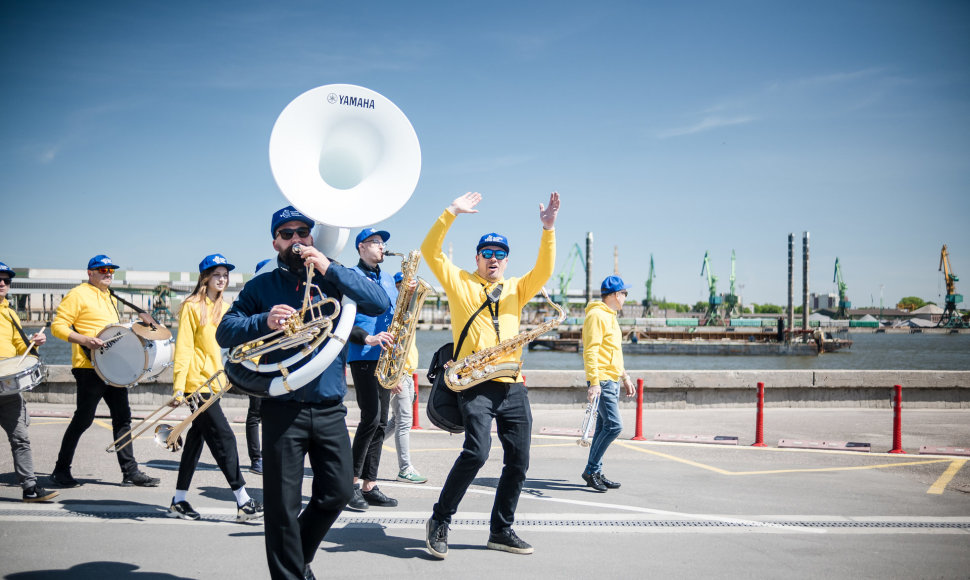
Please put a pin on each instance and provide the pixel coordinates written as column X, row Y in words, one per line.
column 483, row 365
column 390, row 365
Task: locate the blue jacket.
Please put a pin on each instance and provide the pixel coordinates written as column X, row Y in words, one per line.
column 373, row 324
column 246, row 319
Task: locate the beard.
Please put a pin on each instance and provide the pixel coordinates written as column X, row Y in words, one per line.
column 292, row 260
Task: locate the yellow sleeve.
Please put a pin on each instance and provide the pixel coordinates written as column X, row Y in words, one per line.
column 412, row 362
column 13, row 343
column 67, row 312
column 184, row 345
column 532, row 282
column 593, row 333
column 442, row 268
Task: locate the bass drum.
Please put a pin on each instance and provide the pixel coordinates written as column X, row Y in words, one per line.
column 135, row 352
column 21, row 374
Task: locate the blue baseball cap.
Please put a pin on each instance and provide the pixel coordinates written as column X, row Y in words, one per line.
column 612, row 284
column 398, row 277
column 288, row 214
column 493, row 239
column 9, row 270
column 213, row 260
column 101, row 261
column 368, row 232
column 261, row 264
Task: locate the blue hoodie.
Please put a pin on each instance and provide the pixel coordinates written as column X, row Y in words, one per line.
column 246, row 319
column 373, row 324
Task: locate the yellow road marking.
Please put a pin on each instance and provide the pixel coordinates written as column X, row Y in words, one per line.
column 767, row 472
column 941, row 483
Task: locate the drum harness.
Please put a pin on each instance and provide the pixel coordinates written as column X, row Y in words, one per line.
column 23, row 335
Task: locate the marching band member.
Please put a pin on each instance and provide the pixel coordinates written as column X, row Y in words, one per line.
column 506, row 401
column 197, row 358
column 367, row 340
column 603, row 361
column 402, row 405
column 311, row 420
column 13, row 409
column 81, row 315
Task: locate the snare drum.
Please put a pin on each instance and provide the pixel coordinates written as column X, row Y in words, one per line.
column 17, row 377
column 133, row 353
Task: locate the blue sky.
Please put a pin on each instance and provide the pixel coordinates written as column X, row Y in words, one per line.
column 141, row 130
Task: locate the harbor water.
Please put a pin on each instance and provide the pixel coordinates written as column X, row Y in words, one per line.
column 870, row 351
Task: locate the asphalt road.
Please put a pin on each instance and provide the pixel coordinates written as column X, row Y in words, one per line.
column 684, row 510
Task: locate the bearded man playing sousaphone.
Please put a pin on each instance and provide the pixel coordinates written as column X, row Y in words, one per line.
column 504, row 400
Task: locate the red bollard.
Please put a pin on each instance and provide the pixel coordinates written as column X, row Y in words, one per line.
column 415, row 422
column 638, row 435
column 898, row 421
column 759, row 427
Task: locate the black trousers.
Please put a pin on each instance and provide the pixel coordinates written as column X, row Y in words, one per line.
column 252, row 429
column 508, row 405
column 90, row 390
column 374, row 402
column 292, row 431
column 212, row 428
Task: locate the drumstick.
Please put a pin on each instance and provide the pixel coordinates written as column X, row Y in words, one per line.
column 26, row 352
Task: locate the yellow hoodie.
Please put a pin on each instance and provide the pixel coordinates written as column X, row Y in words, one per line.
column 466, row 291
column 602, row 350
column 197, row 354
column 11, row 343
column 88, row 310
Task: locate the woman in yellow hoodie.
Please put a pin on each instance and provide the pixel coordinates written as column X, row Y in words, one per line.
column 197, row 358
column 603, row 361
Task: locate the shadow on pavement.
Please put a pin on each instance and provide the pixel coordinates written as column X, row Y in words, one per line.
column 95, row 571
column 373, row 538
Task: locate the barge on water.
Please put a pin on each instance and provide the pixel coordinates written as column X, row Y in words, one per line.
column 707, row 341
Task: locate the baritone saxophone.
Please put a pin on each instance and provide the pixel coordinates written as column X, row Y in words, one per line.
column 485, row 364
column 404, row 324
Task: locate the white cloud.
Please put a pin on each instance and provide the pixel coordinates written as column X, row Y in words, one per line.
column 705, row 124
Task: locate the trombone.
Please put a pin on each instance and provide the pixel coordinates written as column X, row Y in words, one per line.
column 167, row 435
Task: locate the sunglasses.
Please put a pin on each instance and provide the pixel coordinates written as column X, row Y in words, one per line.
column 499, row 254
column 5, row 281
column 287, row 233
column 104, row 270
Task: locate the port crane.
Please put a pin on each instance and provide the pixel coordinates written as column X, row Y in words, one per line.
column 713, row 315
column 731, row 299
column 844, row 304
column 567, row 273
column 648, row 301
column 951, row 316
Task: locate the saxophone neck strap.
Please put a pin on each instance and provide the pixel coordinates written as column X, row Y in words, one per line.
column 491, row 297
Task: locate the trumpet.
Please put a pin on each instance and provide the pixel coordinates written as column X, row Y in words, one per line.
column 166, row 435
column 589, row 421
column 294, row 332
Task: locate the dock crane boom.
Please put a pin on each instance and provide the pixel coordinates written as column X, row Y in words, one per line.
column 951, row 316
column 844, row 304
column 712, row 316
column 568, row 271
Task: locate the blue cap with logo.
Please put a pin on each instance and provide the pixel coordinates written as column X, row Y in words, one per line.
column 288, row 214
column 213, row 260
column 101, row 261
column 261, row 264
column 612, row 284
column 368, row 232
column 398, row 277
column 7, row 269
column 493, row 239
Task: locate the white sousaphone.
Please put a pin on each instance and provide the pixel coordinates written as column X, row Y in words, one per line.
column 346, row 157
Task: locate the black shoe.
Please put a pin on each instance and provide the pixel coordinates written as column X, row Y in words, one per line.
column 357, row 502
column 437, row 538
column 609, row 484
column 593, row 480
column 256, row 467
column 141, row 479
column 182, row 510
column 62, row 478
column 308, row 573
column 251, row 510
column 507, row 541
column 35, row 494
column 376, row 497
